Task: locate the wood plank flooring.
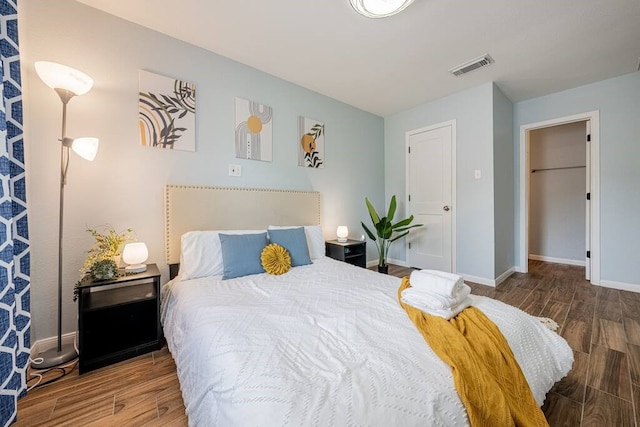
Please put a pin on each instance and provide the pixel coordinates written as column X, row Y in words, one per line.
column 140, row 391
column 601, row 325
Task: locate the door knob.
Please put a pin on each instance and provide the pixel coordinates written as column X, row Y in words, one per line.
column 445, row 208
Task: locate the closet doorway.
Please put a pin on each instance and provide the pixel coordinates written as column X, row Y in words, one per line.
column 559, row 219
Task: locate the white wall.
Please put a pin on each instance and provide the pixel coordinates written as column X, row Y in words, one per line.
column 618, row 101
column 557, row 197
column 473, row 111
column 124, row 185
column 503, row 182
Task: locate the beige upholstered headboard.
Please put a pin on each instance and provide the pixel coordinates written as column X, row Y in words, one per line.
column 189, row 208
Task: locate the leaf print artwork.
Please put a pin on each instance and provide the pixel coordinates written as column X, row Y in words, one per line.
column 311, row 147
column 167, row 110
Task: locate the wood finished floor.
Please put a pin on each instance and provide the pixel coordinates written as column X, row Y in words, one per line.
column 601, row 325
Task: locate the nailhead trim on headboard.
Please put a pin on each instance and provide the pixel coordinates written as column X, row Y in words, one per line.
column 306, row 213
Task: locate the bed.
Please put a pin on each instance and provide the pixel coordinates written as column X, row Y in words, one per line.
column 324, row 344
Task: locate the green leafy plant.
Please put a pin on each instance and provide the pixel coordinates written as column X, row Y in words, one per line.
column 108, row 245
column 386, row 232
column 101, row 257
column 104, row 269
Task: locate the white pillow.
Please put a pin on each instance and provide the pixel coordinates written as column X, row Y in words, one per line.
column 201, row 253
column 315, row 239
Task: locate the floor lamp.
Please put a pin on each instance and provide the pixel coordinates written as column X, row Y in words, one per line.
column 67, row 82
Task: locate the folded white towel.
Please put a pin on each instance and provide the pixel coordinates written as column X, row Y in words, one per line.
column 435, row 301
column 447, row 313
column 450, row 312
column 435, row 281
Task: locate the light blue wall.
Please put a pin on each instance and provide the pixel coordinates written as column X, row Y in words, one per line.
column 618, row 101
column 503, row 181
column 124, row 185
column 473, row 111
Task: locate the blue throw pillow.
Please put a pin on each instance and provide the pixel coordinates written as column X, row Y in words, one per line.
column 293, row 240
column 241, row 254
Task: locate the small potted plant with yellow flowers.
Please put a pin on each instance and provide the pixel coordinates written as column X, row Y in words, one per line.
column 103, row 259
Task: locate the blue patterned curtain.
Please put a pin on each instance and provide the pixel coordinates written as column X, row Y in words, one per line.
column 15, row 318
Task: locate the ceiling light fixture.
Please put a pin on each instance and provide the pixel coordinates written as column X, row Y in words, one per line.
column 379, row 8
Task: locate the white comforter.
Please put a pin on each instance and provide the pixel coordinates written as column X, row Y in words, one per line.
column 326, row 344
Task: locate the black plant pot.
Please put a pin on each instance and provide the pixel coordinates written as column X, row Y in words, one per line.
column 384, row 269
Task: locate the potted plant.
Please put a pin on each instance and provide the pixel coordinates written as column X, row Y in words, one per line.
column 103, row 258
column 386, row 231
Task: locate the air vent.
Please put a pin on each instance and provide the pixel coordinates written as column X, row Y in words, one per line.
column 474, row 64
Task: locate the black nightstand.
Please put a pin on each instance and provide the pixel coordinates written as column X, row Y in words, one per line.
column 352, row 251
column 119, row 318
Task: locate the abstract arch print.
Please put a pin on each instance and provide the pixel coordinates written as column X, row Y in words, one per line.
column 311, row 146
column 167, row 112
column 253, row 130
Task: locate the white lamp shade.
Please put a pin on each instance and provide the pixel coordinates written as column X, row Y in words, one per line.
column 85, row 147
column 342, row 232
column 134, row 254
column 58, row 76
column 379, row 8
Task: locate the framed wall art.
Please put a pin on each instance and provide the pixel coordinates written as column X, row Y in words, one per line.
column 167, row 112
column 254, row 130
column 311, row 143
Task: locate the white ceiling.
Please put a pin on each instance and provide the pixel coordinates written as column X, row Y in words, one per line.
column 385, row 66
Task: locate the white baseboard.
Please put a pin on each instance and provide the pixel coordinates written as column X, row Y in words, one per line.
column 619, row 285
column 373, row 263
column 396, row 262
column 47, row 343
column 557, row 260
column 476, row 279
column 504, row 276
column 489, row 282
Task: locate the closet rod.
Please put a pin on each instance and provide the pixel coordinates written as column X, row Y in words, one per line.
column 551, row 169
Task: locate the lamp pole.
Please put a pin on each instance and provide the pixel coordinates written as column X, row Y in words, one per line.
column 67, row 82
column 64, row 153
column 61, row 354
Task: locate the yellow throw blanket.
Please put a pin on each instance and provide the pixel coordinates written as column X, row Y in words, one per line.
column 487, row 376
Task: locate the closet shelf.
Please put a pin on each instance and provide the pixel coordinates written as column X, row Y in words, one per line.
column 552, row 169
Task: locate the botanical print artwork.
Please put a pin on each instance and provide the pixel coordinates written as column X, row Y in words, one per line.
column 254, row 134
column 311, row 147
column 167, row 112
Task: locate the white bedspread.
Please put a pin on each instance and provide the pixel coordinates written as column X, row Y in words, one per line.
column 325, row 345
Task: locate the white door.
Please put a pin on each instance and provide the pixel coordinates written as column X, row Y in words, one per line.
column 429, row 194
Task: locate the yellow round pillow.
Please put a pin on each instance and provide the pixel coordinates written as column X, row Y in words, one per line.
column 275, row 259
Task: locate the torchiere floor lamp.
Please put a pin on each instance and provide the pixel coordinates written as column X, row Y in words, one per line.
column 67, row 82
